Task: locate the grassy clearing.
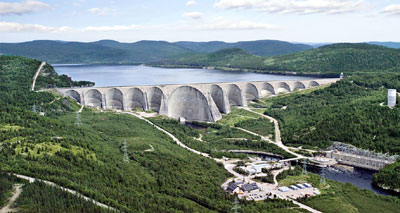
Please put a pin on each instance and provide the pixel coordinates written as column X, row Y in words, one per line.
column 249, row 121
column 7, row 127
column 218, row 138
column 235, row 116
column 51, row 148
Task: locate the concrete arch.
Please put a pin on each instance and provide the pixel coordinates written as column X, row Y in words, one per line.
column 154, row 97
column 93, row 98
column 283, row 87
column 251, row 92
column 135, row 99
column 218, row 97
column 313, row 84
column 189, row 103
column 299, row 85
column 74, row 95
column 114, row 99
column 267, row 89
column 235, row 95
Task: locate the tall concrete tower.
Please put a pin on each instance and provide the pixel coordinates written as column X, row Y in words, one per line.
column 391, row 102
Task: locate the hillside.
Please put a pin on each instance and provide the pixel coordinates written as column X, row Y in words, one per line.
column 329, row 59
column 337, row 58
column 232, row 57
column 89, row 158
column 114, row 52
column 107, row 52
column 352, row 111
column 259, row 48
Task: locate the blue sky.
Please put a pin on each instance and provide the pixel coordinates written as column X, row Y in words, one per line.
column 201, row 20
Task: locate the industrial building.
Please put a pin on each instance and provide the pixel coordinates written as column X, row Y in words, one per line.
column 249, row 187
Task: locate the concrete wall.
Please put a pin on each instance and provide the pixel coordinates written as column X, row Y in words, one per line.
column 359, row 161
column 200, row 102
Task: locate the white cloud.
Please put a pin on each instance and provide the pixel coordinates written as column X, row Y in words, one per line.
column 103, row 11
column 20, row 8
column 293, row 6
column 17, row 27
column 191, row 3
column 393, row 9
column 194, row 15
column 112, row 28
column 228, row 24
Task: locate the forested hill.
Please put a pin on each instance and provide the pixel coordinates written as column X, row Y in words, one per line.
column 114, row 52
column 107, row 52
column 329, row 59
column 89, row 157
column 232, row 57
column 259, row 48
column 337, row 58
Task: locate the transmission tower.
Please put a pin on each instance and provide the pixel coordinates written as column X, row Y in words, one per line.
column 236, row 205
column 125, row 150
column 304, row 172
column 323, row 174
column 34, row 108
column 78, row 119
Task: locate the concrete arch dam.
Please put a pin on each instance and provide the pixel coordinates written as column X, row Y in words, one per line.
column 194, row 102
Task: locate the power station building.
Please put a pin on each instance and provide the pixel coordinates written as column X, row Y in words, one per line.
column 391, row 101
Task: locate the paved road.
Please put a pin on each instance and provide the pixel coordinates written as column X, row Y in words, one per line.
column 31, row 180
column 278, row 140
column 229, row 165
column 36, row 75
column 16, row 193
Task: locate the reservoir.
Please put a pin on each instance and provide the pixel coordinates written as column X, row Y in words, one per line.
column 126, row 75
column 362, row 178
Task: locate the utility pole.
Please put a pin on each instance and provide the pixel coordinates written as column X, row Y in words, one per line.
column 322, row 180
column 236, row 205
column 125, row 150
column 304, row 172
column 78, row 119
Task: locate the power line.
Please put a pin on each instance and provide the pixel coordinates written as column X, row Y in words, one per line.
column 78, row 119
column 304, row 172
column 323, row 174
column 236, row 205
column 125, row 150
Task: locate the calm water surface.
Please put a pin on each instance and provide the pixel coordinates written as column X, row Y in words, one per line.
column 126, row 75
column 362, row 178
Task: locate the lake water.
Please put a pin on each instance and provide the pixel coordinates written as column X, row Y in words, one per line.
column 126, row 75
column 362, row 178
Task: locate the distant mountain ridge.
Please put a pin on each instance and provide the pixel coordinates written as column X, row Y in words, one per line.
column 329, row 59
column 114, row 52
column 259, row 47
column 386, row 44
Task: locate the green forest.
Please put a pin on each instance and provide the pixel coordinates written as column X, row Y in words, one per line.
column 388, row 176
column 352, row 111
column 40, row 197
column 90, row 158
column 216, row 139
column 329, row 60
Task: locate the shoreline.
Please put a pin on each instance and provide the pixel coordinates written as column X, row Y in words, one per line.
column 225, row 69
